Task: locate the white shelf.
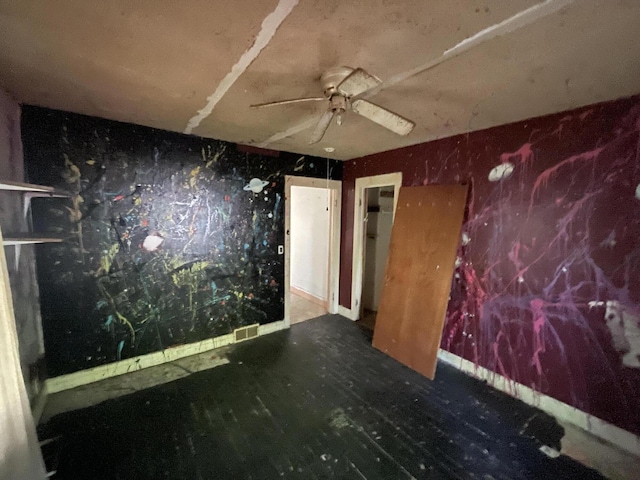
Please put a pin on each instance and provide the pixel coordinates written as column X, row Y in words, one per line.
column 29, row 191
column 12, row 241
column 28, row 187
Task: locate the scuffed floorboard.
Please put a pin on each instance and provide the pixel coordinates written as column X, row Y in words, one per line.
column 315, row 402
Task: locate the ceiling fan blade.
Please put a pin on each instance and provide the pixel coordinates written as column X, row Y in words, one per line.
column 357, row 82
column 321, row 127
column 285, row 102
column 382, row 116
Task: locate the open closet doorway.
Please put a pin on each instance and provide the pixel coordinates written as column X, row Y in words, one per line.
column 312, row 247
column 374, row 210
column 378, row 221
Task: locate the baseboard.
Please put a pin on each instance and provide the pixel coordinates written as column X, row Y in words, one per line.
column 271, row 327
column 84, row 377
column 562, row 411
column 309, row 296
column 347, row 312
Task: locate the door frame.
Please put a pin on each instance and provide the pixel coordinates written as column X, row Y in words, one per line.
column 335, row 216
column 359, row 206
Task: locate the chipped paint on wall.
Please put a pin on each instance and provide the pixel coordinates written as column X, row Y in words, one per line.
column 547, row 290
column 165, row 246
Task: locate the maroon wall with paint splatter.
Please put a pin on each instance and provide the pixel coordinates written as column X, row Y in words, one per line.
column 547, row 291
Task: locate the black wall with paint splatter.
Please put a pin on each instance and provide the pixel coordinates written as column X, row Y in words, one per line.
column 104, row 297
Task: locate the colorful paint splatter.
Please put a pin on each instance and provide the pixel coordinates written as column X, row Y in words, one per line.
column 165, row 245
column 547, row 288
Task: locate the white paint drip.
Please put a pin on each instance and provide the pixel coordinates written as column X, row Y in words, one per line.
column 511, row 24
column 269, row 26
column 625, row 332
column 638, row 192
column 290, row 131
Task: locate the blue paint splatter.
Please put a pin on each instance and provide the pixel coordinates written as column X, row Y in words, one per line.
column 264, row 242
column 246, row 246
column 101, row 303
column 107, row 322
column 120, row 347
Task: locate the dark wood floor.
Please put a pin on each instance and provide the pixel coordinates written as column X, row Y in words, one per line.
column 314, row 402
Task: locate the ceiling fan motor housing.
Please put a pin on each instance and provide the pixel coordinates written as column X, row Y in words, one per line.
column 332, row 78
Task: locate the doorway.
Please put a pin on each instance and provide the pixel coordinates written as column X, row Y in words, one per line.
column 312, row 247
column 368, row 190
column 378, row 221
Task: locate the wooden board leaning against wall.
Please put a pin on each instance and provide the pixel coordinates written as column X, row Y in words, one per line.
column 415, row 293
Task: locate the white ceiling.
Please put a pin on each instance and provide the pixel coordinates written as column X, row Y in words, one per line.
column 160, row 63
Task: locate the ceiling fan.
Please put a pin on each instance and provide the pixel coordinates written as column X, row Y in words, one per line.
column 343, row 87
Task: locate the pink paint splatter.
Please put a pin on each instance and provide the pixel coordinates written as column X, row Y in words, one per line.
column 558, row 246
column 539, row 321
column 524, row 155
